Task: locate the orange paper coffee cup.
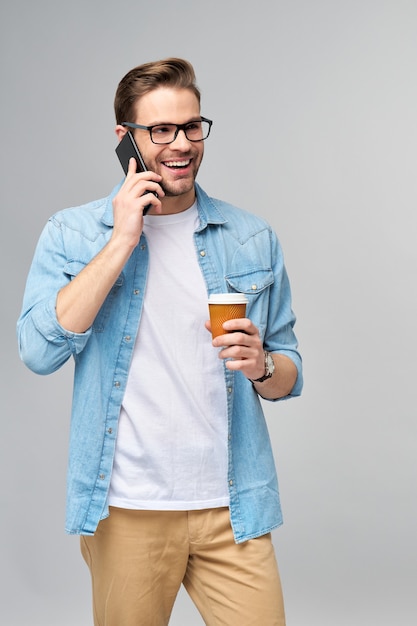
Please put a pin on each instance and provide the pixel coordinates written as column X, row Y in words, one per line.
column 223, row 307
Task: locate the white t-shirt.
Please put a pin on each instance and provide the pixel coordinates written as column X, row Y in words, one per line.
column 171, row 450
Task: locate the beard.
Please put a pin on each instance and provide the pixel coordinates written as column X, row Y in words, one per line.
column 179, row 187
column 179, row 184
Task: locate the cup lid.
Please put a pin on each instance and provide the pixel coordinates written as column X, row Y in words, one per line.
column 228, row 298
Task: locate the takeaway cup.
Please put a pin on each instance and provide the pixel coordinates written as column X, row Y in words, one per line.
column 223, row 307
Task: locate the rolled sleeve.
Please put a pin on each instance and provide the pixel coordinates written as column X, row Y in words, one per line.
column 44, row 345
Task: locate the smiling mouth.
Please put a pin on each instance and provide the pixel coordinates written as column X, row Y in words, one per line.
column 177, row 164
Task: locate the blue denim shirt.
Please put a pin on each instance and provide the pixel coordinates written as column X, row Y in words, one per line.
column 236, row 251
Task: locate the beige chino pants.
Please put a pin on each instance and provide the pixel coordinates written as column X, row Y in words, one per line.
column 138, row 560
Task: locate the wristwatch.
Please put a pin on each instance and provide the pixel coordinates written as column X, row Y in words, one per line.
column 269, row 368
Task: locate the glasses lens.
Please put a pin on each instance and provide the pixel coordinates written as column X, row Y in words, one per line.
column 197, row 131
column 164, row 133
column 194, row 131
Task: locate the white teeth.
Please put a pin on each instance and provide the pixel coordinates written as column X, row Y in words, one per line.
column 178, row 163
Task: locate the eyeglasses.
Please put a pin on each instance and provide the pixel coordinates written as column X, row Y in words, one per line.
column 196, row 130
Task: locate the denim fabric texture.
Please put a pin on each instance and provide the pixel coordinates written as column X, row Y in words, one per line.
column 237, row 251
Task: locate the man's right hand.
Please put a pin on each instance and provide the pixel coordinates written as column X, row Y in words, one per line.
column 134, row 195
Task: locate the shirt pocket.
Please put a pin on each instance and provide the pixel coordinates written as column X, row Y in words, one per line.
column 72, row 269
column 255, row 284
column 250, row 282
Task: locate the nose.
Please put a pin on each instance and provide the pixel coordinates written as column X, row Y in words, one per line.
column 180, row 142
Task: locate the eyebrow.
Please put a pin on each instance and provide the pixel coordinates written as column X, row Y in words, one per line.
column 193, row 119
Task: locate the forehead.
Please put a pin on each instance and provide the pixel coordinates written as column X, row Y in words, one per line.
column 167, row 104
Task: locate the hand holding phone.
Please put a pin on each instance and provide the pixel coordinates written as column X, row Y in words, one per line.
column 127, row 149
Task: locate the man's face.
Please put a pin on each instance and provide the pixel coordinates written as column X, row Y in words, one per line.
column 179, row 161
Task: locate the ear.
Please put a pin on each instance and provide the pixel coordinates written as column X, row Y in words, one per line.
column 120, row 131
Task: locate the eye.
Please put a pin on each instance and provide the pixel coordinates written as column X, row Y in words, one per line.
column 163, row 129
column 193, row 126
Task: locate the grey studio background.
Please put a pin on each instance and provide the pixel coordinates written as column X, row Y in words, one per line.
column 315, row 129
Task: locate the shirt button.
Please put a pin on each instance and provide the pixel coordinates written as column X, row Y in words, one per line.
column 117, row 384
column 254, row 287
column 229, row 389
column 136, row 292
column 128, row 338
column 102, row 476
column 143, row 247
column 110, row 430
column 230, row 482
column 202, row 253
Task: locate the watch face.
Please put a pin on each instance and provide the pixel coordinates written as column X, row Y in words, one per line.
column 270, row 365
column 269, row 368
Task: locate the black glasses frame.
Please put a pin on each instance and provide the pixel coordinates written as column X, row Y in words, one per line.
column 178, row 128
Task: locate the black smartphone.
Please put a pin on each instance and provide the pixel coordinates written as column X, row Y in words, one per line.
column 127, row 149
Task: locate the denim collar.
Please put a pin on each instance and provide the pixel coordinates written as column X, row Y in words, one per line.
column 208, row 210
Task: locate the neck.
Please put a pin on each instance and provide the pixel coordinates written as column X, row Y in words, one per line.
column 177, row 204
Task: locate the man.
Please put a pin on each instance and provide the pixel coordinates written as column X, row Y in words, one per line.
column 171, row 477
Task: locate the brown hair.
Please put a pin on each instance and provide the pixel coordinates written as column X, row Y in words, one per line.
column 142, row 79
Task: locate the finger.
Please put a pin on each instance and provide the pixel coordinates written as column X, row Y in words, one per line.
column 243, row 324
column 132, row 166
column 233, row 340
column 143, row 183
column 148, row 201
